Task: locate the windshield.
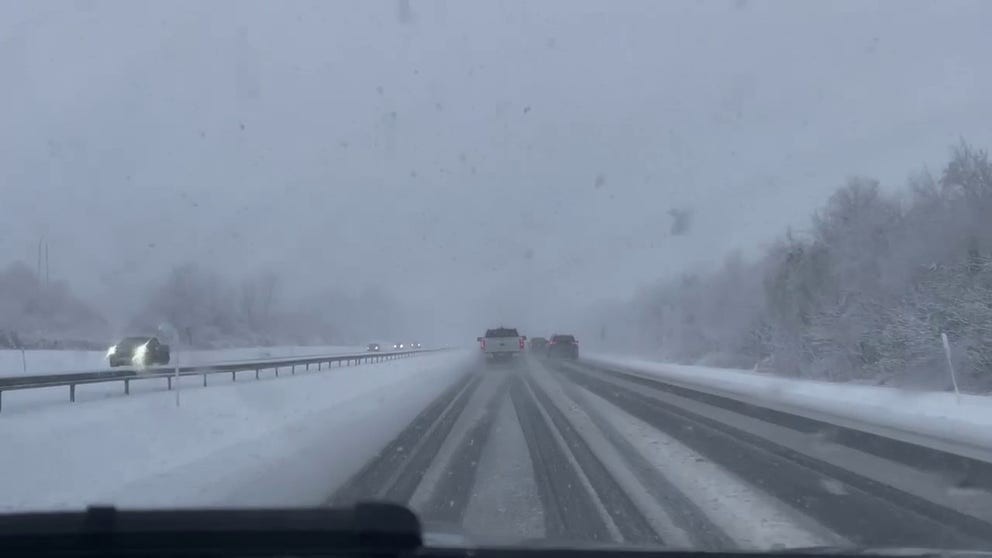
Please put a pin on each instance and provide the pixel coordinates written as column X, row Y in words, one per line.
column 765, row 224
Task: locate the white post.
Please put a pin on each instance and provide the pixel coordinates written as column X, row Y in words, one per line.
column 177, row 371
column 24, row 362
column 166, row 329
column 950, row 366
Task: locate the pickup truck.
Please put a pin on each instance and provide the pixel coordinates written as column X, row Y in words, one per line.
column 502, row 343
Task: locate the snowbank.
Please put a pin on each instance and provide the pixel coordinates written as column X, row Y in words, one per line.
column 288, row 442
column 57, row 362
column 936, row 420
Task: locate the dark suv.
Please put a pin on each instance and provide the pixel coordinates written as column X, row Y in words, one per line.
column 563, row 346
column 538, row 345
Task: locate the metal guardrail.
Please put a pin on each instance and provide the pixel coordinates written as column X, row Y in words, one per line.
column 127, row 375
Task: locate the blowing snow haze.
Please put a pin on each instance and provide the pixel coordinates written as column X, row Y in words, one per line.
column 461, row 163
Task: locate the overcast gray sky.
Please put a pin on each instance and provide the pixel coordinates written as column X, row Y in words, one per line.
column 487, row 160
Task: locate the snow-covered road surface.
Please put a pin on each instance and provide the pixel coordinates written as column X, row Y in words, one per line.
column 941, row 420
column 573, row 453
column 532, row 450
column 278, row 441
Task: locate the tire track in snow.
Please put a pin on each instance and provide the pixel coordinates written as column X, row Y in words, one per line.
column 451, row 497
column 631, row 523
column 861, row 512
column 570, row 513
column 395, row 473
column 704, row 533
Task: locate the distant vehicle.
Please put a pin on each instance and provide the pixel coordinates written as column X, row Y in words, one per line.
column 563, row 346
column 502, row 343
column 399, row 346
column 138, row 351
column 374, row 348
column 414, row 345
column 538, row 345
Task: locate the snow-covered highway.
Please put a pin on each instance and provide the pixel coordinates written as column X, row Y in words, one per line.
column 535, row 449
column 573, row 452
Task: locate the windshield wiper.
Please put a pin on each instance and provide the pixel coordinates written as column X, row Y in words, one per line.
column 370, row 528
column 379, row 529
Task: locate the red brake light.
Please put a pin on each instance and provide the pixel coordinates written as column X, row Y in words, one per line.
column 521, row 342
column 483, row 343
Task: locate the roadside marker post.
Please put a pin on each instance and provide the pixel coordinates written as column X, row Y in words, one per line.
column 950, row 366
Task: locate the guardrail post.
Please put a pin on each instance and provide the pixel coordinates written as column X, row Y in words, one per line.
column 292, row 370
column 1, row 401
column 277, row 371
column 169, row 380
column 127, row 386
column 234, row 375
column 72, row 393
column 256, row 373
column 308, row 367
column 318, row 365
column 204, row 380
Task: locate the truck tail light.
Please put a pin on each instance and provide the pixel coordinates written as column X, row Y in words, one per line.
column 521, row 343
column 483, row 344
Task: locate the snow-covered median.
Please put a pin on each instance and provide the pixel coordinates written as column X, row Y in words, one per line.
column 287, row 441
column 937, row 420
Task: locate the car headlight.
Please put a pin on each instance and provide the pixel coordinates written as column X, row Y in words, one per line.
column 139, row 354
column 112, row 351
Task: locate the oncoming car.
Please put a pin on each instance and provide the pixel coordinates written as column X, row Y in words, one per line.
column 138, row 351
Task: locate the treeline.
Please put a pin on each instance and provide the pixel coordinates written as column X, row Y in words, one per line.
column 203, row 307
column 864, row 294
column 209, row 311
column 37, row 314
